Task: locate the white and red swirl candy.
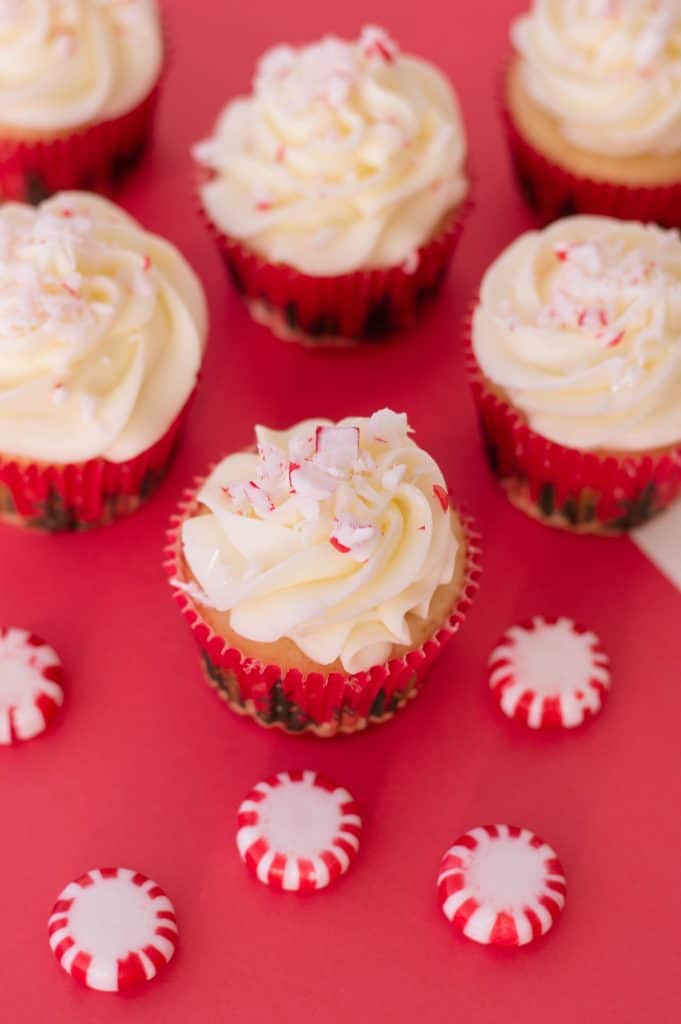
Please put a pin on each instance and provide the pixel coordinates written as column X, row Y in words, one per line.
column 298, row 831
column 113, row 929
column 30, row 685
column 549, row 672
column 501, row 884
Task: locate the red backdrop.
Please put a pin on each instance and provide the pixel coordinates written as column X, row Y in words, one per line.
column 145, row 768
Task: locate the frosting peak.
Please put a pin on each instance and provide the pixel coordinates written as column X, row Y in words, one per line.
column 68, row 63
column 609, row 71
column 330, row 535
column 581, row 324
column 346, row 155
column 102, row 328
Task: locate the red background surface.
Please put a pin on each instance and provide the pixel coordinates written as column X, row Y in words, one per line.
column 145, row 768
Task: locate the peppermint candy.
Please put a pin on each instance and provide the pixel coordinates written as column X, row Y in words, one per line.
column 298, row 831
column 30, row 685
column 501, row 884
column 112, row 929
column 549, row 672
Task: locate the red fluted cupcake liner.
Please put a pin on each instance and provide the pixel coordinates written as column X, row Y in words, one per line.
column 366, row 305
column 553, row 191
column 79, row 496
column 605, row 493
column 93, row 159
column 298, row 702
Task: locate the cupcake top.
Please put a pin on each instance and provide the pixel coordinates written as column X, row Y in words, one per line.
column 65, row 64
column 347, row 155
column 581, row 325
column 330, row 535
column 608, row 71
column 102, row 329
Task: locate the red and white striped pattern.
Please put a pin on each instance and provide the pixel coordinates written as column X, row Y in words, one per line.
column 30, row 685
column 501, row 884
column 113, row 928
column 298, row 831
column 549, row 672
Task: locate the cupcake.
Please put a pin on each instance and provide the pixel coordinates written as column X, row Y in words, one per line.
column 335, row 190
column 593, row 104
column 78, row 89
column 322, row 573
column 576, row 369
column 102, row 330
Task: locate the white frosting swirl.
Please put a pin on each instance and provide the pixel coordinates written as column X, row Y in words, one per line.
column 581, row 325
column 346, row 155
column 65, row 64
column 609, row 72
column 102, row 328
column 329, row 536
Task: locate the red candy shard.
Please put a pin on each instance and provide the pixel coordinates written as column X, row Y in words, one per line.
column 442, row 496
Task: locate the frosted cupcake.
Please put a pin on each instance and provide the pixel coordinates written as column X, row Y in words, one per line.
column 102, row 330
column 336, row 188
column 78, row 88
column 323, row 573
column 576, row 368
column 593, row 99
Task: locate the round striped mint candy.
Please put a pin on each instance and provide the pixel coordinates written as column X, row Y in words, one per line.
column 30, row 685
column 549, row 672
column 298, row 831
column 501, row 884
column 112, row 929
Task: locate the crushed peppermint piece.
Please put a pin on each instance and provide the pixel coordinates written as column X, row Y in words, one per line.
column 340, row 445
column 302, row 447
column 312, row 481
column 611, row 338
column 442, row 496
column 259, row 499
column 354, row 537
column 272, row 464
column 390, row 427
column 376, row 44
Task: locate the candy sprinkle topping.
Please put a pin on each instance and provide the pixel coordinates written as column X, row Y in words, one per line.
column 337, row 474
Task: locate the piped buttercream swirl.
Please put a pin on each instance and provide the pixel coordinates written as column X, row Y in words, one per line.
column 581, row 325
column 65, row 64
column 347, row 155
column 102, row 330
column 608, row 71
